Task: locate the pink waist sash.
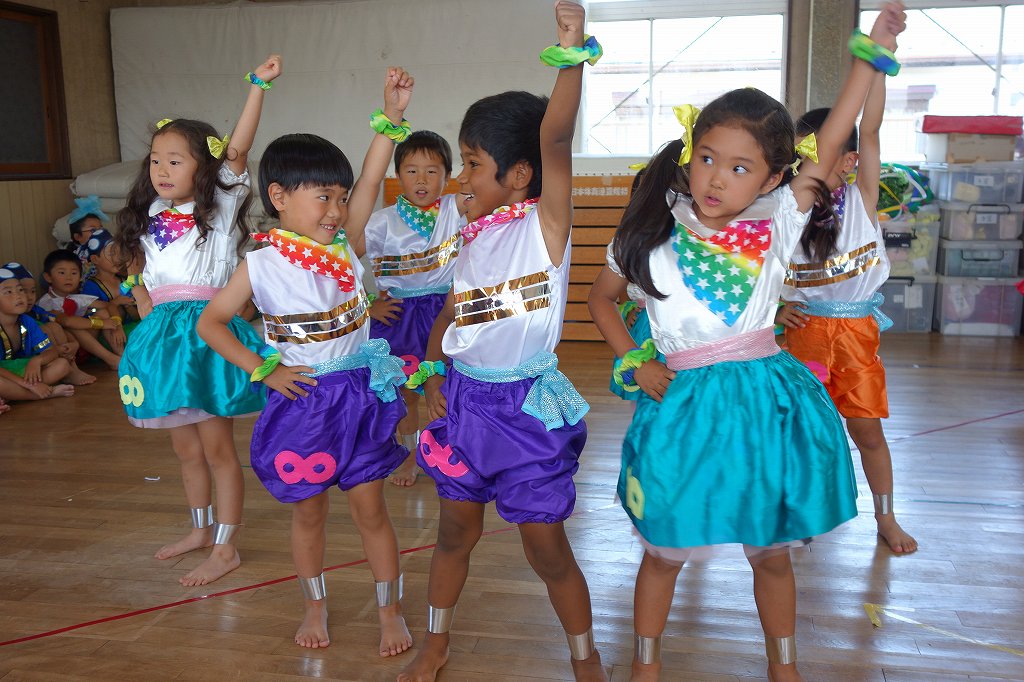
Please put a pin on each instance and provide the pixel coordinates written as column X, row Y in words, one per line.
column 749, row 346
column 182, row 292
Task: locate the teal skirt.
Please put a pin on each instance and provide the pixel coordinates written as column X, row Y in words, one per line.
column 719, row 462
column 640, row 331
column 169, row 377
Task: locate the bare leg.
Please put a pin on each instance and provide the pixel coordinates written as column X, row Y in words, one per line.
column 91, row 343
column 877, row 462
column 457, row 534
column 218, row 447
column 366, row 504
column 405, row 474
column 196, row 477
column 309, row 540
column 775, row 595
column 652, row 601
column 549, row 553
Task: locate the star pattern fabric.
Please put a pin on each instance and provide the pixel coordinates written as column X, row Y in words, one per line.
column 721, row 270
column 330, row 260
column 419, row 220
column 839, row 202
column 168, row 226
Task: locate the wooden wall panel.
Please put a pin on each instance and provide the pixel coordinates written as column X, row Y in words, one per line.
column 27, row 211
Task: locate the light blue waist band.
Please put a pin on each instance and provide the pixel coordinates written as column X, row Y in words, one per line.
column 552, row 399
column 395, row 292
column 851, row 309
column 386, row 371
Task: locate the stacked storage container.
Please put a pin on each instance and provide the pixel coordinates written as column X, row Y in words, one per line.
column 981, row 201
column 911, row 244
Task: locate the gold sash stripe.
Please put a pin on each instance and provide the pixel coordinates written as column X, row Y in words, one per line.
column 508, row 299
column 838, row 269
column 411, row 263
column 350, row 315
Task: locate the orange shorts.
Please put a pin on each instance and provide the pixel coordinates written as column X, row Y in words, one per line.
column 843, row 353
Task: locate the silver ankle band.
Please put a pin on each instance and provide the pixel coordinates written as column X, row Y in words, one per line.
column 781, row 650
column 581, row 647
column 313, row 589
column 647, row 650
column 883, row 504
column 202, row 517
column 439, row 621
column 389, row 592
column 411, row 441
column 223, row 533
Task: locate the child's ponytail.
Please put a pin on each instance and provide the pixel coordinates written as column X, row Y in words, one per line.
column 821, row 234
column 647, row 220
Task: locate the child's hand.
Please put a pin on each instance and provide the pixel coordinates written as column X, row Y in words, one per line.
column 67, row 350
column 397, row 93
column 117, row 339
column 122, row 300
column 40, row 389
column 631, row 317
column 437, row 404
column 653, row 378
column 792, row 315
column 385, row 309
column 570, row 18
column 270, row 69
column 891, row 22
column 34, row 371
column 285, row 380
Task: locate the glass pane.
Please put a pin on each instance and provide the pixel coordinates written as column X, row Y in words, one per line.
column 616, row 107
column 949, row 58
column 696, row 60
column 1011, row 86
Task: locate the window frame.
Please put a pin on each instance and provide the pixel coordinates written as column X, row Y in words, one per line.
column 58, row 161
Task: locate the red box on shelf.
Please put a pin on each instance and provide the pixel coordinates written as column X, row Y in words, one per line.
column 973, row 125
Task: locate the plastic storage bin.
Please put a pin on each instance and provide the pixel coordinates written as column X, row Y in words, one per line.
column 910, row 302
column 911, row 246
column 977, row 183
column 978, row 306
column 963, row 221
column 978, row 259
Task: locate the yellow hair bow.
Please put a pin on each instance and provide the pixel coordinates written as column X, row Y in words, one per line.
column 808, row 148
column 687, row 117
column 162, row 122
column 637, row 167
column 217, row 147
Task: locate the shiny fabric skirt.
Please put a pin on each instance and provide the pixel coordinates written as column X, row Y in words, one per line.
column 748, row 452
column 169, row 377
column 408, row 335
column 341, row 434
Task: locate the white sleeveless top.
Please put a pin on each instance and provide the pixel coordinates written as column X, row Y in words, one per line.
column 403, row 259
column 213, row 262
column 307, row 318
column 724, row 283
column 509, row 297
column 856, row 271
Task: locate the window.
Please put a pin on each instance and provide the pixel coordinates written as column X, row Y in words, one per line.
column 956, row 61
column 662, row 53
column 33, row 135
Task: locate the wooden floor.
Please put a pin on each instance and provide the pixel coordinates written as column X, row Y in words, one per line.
column 85, row 500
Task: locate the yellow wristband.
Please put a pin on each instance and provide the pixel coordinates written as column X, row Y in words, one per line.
column 117, row 320
column 95, row 323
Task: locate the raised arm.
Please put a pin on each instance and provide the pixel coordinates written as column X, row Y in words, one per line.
column 397, row 92
column 890, row 23
column 556, row 131
column 869, row 163
column 245, row 130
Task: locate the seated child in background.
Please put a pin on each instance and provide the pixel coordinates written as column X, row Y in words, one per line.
column 67, row 347
column 413, row 245
column 84, row 317
column 105, row 283
column 83, row 221
column 31, row 367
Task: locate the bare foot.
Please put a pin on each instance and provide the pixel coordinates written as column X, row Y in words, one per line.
column 312, row 634
column 645, row 672
column 222, row 560
column 62, row 391
column 899, row 540
column 4, row 407
column 394, row 635
column 432, row 656
column 405, row 474
column 783, row 673
column 79, row 378
column 589, row 669
column 197, row 539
